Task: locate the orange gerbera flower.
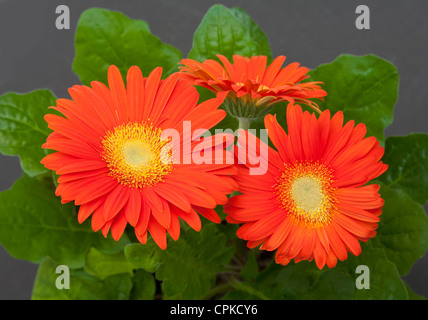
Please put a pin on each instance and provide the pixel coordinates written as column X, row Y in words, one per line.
column 251, row 86
column 114, row 163
column 312, row 203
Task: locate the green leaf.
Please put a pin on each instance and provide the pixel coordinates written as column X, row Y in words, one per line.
column 228, row 32
column 82, row 285
column 23, row 129
column 108, row 245
column 34, row 225
column 144, row 286
column 147, row 257
column 104, row 265
column 403, row 229
column 365, row 88
column 385, row 281
column 105, row 38
column 254, row 30
column 188, row 267
column 407, row 165
column 303, row 281
column 251, row 269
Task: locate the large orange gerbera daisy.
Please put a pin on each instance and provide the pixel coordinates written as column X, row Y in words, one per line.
column 114, row 163
column 251, row 86
column 312, row 203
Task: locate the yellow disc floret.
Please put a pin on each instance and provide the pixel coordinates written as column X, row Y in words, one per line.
column 307, row 193
column 134, row 155
column 304, row 191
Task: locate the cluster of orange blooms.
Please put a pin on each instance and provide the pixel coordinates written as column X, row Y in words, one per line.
column 312, row 203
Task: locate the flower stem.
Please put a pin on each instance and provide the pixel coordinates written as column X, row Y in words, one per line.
column 244, row 123
column 241, row 286
column 217, row 290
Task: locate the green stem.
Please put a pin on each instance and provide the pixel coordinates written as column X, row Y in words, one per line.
column 244, row 123
column 243, row 287
column 216, row 290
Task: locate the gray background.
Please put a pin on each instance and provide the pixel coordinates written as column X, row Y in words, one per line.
column 34, row 54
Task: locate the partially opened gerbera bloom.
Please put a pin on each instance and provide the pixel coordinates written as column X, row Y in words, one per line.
column 114, row 162
column 252, row 87
column 313, row 201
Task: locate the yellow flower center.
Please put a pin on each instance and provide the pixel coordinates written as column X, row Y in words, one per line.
column 135, row 156
column 136, row 153
column 307, row 193
column 304, row 191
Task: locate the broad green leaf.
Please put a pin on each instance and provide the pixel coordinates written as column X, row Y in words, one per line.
column 385, row 281
column 297, row 282
column 34, row 225
column 82, row 285
column 403, row 229
column 407, row 159
column 188, row 268
column 23, row 129
column 228, row 32
column 254, row 30
column 250, row 270
column 147, row 257
column 108, row 245
column 144, row 285
column 105, row 38
column 104, row 265
column 303, row 281
column 365, row 88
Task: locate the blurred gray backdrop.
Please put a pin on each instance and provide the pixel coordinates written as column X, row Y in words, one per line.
column 34, row 55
